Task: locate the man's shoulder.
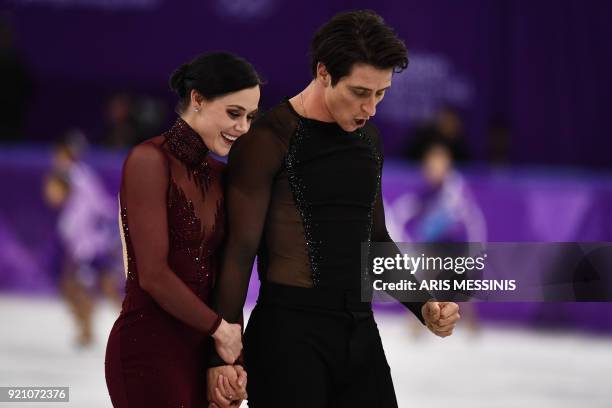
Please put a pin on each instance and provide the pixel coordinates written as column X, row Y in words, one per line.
column 277, row 122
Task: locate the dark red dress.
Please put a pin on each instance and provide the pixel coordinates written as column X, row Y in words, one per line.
column 172, row 214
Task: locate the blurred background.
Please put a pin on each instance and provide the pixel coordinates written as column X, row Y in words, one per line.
column 499, row 130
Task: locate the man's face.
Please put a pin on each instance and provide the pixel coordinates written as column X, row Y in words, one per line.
column 352, row 101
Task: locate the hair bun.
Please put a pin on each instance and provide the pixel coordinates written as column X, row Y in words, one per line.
column 212, row 75
column 177, row 80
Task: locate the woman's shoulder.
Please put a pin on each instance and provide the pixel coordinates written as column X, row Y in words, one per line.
column 148, row 155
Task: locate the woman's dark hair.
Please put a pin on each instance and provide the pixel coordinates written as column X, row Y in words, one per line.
column 356, row 37
column 212, row 75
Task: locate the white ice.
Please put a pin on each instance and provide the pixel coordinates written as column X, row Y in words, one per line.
column 501, row 367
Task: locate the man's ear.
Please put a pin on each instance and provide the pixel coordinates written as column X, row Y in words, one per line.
column 323, row 75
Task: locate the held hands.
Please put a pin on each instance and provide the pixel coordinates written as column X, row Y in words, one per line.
column 228, row 341
column 226, row 386
column 440, row 317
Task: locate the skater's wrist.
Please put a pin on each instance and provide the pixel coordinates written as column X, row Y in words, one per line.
column 222, row 330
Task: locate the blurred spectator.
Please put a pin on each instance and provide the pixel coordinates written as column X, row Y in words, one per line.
column 498, row 138
column 447, row 210
column 447, row 128
column 130, row 120
column 15, row 87
column 87, row 227
column 448, row 214
column 122, row 129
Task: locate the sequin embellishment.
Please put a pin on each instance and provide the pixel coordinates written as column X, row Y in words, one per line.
column 377, row 156
column 298, row 187
column 187, row 146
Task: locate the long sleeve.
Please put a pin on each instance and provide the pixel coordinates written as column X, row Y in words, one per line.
column 380, row 234
column 144, row 195
column 254, row 161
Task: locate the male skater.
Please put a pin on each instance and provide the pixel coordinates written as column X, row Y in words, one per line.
column 303, row 194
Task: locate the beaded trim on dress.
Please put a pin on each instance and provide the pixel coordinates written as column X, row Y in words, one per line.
column 187, row 146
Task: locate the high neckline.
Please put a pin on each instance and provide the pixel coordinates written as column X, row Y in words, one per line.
column 186, row 144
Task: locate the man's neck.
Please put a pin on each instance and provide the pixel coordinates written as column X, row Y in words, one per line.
column 310, row 103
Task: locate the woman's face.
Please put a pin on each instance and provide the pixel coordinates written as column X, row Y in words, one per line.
column 221, row 121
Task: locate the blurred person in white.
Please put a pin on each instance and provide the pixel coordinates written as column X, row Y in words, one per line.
column 448, row 213
column 87, row 228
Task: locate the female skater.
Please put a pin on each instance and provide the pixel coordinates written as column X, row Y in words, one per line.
column 171, row 204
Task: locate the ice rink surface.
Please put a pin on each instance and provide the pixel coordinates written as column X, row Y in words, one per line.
column 497, row 367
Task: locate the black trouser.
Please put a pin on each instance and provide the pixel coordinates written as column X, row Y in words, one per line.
column 315, row 348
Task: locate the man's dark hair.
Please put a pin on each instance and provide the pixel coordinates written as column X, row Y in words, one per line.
column 356, row 37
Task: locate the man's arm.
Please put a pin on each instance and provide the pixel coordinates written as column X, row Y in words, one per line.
column 439, row 317
column 254, row 160
column 381, row 235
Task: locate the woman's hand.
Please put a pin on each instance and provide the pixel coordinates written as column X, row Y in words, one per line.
column 226, row 386
column 228, row 341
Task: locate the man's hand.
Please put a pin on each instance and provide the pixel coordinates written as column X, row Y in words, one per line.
column 440, row 317
column 226, row 386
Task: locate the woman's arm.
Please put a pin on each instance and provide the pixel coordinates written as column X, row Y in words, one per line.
column 145, row 184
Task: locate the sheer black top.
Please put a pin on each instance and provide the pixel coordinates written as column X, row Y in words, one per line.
column 302, row 195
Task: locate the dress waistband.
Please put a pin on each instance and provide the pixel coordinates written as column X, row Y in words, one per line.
column 311, row 298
